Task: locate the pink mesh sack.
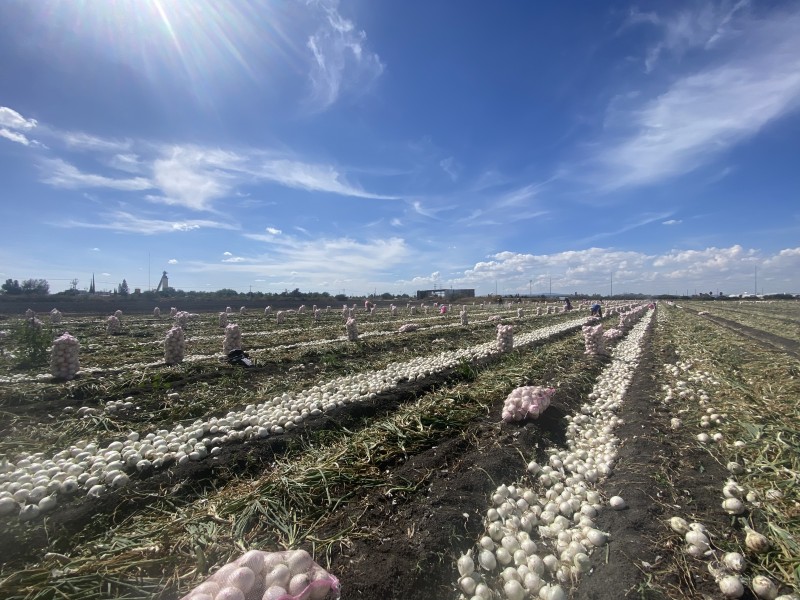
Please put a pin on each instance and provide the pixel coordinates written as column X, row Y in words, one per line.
column 258, row 575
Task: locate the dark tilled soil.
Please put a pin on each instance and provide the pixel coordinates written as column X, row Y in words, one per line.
column 404, row 544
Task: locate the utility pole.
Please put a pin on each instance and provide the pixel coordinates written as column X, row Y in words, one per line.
column 612, row 284
column 550, row 288
column 530, row 287
column 755, row 285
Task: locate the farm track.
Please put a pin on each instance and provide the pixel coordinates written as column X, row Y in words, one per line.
column 781, row 326
column 766, row 339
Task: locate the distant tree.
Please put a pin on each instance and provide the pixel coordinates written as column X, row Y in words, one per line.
column 35, row 287
column 11, row 287
column 296, row 293
column 227, row 292
column 341, row 297
column 123, row 289
column 386, row 296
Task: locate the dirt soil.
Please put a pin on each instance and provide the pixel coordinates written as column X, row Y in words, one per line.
column 405, row 544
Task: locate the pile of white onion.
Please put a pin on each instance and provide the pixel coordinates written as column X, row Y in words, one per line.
column 280, row 317
column 156, row 312
column 541, row 537
column 408, row 327
column 223, row 319
column 55, row 316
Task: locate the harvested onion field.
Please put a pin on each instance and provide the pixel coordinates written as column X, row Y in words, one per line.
column 387, row 459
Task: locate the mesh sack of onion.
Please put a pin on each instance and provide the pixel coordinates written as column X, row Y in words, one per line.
column 260, row 575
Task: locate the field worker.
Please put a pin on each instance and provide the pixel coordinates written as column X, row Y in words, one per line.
column 597, row 310
column 567, row 304
column 443, row 309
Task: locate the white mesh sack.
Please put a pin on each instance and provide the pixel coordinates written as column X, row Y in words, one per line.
column 259, row 575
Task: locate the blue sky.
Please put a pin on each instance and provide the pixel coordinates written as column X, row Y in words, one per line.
column 363, row 145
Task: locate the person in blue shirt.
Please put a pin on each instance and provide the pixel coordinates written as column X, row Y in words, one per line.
column 597, row 310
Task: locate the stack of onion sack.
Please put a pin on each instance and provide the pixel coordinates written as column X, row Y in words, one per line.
column 593, row 339
column 174, row 346
column 233, row 338
column 613, row 334
column 526, row 402
column 408, row 327
column 64, row 357
column 505, row 338
column 113, row 325
column 352, row 329
column 156, row 312
column 464, row 317
column 258, row 575
column 55, row 316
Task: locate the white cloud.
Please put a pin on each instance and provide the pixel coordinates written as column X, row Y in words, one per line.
column 84, row 141
column 14, row 136
column 595, row 269
column 314, row 178
column 341, row 58
column 13, row 120
column 450, row 166
column 234, row 259
column 172, row 261
column 324, row 259
column 129, row 163
column 95, row 249
column 273, row 231
column 194, row 177
column 396, row 222
column 125, row 222
column 61, row 174
column 672, row 222
column 227, row 254
column 705, row 113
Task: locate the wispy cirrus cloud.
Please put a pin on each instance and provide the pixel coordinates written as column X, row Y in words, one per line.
column 313, row 178
column 83, row 141
column 672, row 222
column 700, row 115
column 61, row 174
column 308, row 260
column 341, row 57
column 126, row 222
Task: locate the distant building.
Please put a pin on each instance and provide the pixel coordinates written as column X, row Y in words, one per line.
column 446, row 294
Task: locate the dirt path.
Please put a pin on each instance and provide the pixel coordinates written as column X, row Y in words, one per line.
column 771, row 340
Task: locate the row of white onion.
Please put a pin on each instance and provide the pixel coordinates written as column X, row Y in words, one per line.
column 36, row 482
column 539, row 537
column 46, row 377
column 691, row 393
